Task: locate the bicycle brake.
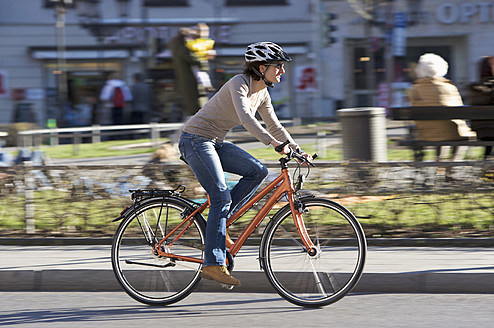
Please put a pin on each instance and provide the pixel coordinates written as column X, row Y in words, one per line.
column 301, row 207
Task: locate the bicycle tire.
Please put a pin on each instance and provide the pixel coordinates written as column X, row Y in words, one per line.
column 144, row 276
column 321, row 279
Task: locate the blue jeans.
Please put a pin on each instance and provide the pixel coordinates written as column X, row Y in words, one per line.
column 209, row 160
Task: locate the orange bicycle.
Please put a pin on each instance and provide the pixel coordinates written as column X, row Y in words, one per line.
column 312, row 250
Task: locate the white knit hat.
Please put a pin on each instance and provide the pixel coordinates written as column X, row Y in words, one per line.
column 431, row 65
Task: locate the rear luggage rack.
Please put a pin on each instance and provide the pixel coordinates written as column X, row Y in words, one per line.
column 140, row 194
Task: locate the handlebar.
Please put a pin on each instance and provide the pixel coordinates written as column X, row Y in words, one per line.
column 294, row 154
column 300, row 157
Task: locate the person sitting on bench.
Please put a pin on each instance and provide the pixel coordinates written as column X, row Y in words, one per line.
column 431, row 88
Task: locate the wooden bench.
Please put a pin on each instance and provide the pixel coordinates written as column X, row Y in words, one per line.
column 441, row 113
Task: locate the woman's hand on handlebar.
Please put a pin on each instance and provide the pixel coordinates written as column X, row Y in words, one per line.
column 308, row 157
column 281, row 148
column 304, row 158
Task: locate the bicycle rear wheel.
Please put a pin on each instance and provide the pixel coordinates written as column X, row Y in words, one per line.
column 314, row 280
column 146, row 277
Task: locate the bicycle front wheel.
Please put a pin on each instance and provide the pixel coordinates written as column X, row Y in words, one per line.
column 314, row 279
column 145, row 276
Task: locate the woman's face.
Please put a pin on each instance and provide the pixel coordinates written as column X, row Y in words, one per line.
column 273, row 72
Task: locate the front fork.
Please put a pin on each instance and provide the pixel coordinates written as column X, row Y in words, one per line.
column 298, row 209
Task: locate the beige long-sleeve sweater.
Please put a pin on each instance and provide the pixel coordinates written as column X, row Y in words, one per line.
column 233, row 105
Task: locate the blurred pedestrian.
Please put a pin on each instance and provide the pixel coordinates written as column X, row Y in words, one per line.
column 431, row 88
column 483, row 94
column 115, row 94
column 184, row 60
column 202, row 46
column 141, row 100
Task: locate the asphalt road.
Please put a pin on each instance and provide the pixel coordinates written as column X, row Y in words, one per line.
column 229, row 309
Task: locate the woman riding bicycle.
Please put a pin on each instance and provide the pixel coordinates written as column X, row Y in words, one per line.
column 203, row 147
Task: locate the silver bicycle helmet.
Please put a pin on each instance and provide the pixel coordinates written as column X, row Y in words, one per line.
column 265, row 52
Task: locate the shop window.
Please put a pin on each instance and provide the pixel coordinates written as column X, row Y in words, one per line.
column 166, row 3
column 403, row 67
column 53, row 3
column 363, row 65
column 256, row 2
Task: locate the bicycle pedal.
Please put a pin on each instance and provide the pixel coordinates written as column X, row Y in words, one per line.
column 229, row 287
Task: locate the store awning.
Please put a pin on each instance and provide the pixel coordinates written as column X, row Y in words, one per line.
column 81, row 54
column 51, row 53
column 240, row 51
column 84, row 52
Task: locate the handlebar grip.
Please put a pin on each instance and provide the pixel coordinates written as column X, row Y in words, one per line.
column 279, row 148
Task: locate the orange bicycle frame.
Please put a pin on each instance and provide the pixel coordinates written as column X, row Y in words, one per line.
column 282, row 185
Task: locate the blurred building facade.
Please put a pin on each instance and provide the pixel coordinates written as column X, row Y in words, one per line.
column 388, row 38
column 53, row 63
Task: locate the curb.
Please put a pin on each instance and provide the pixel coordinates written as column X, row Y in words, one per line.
column 252, row 282
column 396, row 242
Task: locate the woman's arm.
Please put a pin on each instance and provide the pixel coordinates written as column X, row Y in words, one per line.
column 273, row 124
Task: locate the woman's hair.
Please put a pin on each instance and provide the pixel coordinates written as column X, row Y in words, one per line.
column 251, row 67
column 431, row 65
column 487, row 67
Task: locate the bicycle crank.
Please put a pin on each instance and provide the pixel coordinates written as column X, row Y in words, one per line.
column 229, row 261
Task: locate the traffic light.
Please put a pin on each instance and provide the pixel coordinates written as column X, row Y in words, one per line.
column 327, row 29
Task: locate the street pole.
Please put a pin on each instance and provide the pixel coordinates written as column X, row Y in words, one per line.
column 61, row 61
column 316, row 57
column 388, row 51
column 371, row 58
column 399, row 41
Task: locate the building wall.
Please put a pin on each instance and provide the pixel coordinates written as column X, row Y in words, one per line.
column 26, row 24
column 463, row 27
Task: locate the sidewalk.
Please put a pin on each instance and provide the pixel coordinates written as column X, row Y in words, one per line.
column 388, row 269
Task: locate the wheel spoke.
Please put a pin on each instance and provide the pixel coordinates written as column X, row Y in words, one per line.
column 144, row 276
column 326, row 276
column 291, row 237
column 280, row 255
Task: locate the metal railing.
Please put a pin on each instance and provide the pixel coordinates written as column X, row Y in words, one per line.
column 34, row 138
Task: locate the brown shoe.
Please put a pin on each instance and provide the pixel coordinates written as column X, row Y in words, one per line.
column 228, row 240
column 220, row 274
